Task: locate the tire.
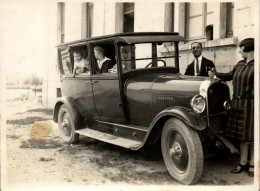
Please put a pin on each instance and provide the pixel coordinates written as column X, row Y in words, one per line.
column 182, row 151
column 67, row 126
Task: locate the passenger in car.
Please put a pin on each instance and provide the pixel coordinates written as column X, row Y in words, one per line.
column 103, row 63
column 81, row 65
column 200, row 65
column 125, row 55
column 126, row 64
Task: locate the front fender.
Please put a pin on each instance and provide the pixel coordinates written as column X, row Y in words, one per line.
column 188, row 116
column 69, row 102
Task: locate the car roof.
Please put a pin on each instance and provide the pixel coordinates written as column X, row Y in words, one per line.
column 130, row 38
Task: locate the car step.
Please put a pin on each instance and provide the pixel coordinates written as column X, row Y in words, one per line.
column 123, row 142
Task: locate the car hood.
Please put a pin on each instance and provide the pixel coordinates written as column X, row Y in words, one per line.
column 181, row 85
column 178, row 84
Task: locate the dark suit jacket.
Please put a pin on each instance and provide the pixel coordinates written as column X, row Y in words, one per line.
column 206, row 65
column 108, row 64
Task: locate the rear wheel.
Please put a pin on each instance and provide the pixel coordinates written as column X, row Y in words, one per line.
column 67, row 126
column 182, row 151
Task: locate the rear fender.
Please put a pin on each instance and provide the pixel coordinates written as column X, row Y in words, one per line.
column 68, row 101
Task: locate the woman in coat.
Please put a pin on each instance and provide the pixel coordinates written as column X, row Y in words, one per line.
column 241, row 119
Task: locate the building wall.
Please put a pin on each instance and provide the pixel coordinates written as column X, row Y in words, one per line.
column 244, row 18
column 109, row 15
column 105, row 21
column 72, row 21
column 215, row 18
column 51, row 79
column 149, row 17
column 223, row 57
column 225, row 51
column 99, row 19
column 244, row 21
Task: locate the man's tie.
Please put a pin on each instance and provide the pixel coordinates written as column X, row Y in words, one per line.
column 197, row 66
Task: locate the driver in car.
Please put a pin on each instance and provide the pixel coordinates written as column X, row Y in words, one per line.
column 126, row 64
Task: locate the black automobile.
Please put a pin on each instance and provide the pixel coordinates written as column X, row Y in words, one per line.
column 143, row 99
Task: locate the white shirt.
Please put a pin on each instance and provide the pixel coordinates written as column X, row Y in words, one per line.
column 100, row 63
column 82, row 63
column 199, row 61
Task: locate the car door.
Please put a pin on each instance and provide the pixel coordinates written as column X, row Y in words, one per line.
column 106, row 90
column 107, row 98
column 83, row 95
column 79, row 87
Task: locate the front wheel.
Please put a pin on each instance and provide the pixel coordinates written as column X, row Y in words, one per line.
column 67, row 126
column 182, row 151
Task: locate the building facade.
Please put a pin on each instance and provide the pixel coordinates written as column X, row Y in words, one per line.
column 219, row 26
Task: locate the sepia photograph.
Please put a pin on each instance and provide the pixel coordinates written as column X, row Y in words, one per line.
column 129, row 95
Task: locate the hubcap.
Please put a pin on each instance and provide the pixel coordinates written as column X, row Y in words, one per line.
column 65, row 125
column 178, row 151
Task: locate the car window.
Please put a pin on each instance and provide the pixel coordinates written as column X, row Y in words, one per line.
column 65, row 61
column 145, row 55
column 166, row 52
column 80, row 61
column 103, row 58
column 125, row 55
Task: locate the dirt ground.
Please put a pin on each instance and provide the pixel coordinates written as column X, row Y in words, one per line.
column 37, row 158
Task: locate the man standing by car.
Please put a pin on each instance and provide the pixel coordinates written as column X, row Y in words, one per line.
column 200, row 65
column 103, row 62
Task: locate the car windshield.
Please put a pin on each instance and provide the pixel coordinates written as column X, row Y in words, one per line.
column 146, row 55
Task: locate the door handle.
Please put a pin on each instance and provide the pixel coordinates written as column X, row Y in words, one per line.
column 90, row 82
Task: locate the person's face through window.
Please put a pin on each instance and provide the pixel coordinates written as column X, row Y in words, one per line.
column 77, row 56
column 241, row 51
column 96, row 53
column 124, row 55
column 196, row 50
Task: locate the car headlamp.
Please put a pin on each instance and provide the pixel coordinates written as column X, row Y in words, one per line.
column 198, row 103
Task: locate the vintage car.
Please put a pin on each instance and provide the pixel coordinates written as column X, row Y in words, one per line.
column 143, row 100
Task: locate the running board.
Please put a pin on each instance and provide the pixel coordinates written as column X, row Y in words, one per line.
column 108, row 138
column 138, row 128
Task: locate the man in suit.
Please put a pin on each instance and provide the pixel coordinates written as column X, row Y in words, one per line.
column 104, row 63
column 200, row 66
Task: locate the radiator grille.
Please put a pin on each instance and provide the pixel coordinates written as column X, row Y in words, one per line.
column 218, row 93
